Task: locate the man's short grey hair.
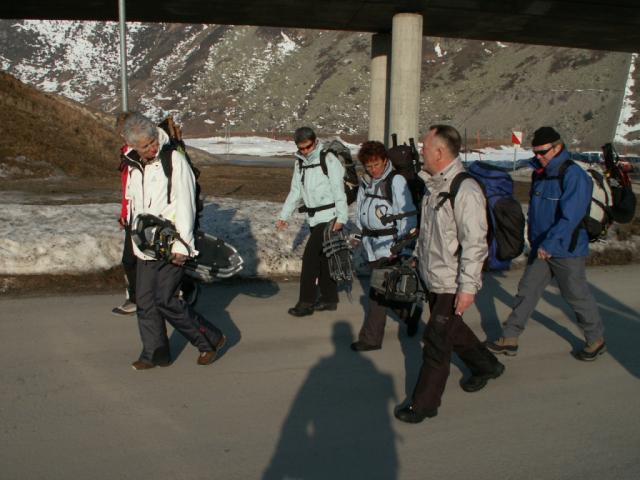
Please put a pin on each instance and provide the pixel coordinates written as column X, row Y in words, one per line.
column 304, row 134
column 138, row 128
column 449, row 136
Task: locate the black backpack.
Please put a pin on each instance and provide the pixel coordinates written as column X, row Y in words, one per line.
column 505, row 219
column 176, row 143
column 343, row 154
column 406, row 161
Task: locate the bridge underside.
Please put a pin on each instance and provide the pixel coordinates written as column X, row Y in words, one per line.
column 593, row 24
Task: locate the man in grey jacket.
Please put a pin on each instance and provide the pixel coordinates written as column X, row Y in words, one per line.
column 324, row 200
column 451, row 250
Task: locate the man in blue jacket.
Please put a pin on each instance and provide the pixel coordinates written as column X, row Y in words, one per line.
column 324, row 200
column 560, row 197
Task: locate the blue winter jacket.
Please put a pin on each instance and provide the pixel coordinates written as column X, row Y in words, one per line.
column 555, row 211
column 402, row 202
column 316, row 189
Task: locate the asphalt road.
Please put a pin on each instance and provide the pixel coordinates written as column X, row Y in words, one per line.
column 289, row 400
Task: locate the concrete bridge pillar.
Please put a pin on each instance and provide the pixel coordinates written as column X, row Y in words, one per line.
column 379, row 97
column 406, row 66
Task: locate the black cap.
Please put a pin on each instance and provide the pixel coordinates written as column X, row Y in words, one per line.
column 544, row 135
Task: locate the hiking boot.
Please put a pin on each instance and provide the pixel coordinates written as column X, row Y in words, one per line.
column 592, row 351
column 301, row 310
column 127, row 308
column 409, row 414
column 478, row 382
column 324, row 306
column 504, row 345
column 140, row 365
column 207, row 358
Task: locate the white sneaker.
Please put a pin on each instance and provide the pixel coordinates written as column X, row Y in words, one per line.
column 127, row 308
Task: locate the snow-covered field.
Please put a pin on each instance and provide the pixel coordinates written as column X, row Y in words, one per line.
column 257, row 146
column 38, row 239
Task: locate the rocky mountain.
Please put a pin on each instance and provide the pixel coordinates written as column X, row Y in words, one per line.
column 267, row 80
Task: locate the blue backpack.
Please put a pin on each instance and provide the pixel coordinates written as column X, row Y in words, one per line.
column 504, row 213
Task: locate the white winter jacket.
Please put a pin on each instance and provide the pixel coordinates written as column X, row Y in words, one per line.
column 316, row 189
column 147, row 193
column 368, row 206
column 452, row 245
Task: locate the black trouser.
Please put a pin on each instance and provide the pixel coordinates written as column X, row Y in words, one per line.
column 316, row 266
column 446, row 332
column 372, row 331
column 158, row 284
column 129, row 262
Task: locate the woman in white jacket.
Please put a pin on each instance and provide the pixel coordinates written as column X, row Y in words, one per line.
column 324, row 199
column 382, row 192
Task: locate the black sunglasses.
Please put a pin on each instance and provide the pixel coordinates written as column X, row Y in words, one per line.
column 542, row 152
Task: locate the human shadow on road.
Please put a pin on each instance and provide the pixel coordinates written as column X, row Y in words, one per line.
column 214, row 299
column 339, row 425
column 621, row 322
column 622, row 330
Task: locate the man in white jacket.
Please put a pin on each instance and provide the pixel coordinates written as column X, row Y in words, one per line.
column 158, row 282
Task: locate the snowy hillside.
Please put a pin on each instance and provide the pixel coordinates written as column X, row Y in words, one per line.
column 251, row 79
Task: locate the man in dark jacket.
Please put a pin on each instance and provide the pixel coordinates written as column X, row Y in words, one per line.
column 560, row 197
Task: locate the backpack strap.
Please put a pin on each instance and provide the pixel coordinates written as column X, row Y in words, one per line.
column 311, row 211
column 382, row 232
column 303, row 168
column 385, row 188
column 453, row 189
column 167, row 166
column 323, row 160
column 561, row 173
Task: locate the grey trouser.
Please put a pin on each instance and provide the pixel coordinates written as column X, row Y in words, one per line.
column 570, row 274
column 157, row 287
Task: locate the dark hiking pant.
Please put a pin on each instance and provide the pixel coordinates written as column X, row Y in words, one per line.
column 372, row 331
column 315, row 266
column 158, row 284
column 129, row 262
column 446, row 333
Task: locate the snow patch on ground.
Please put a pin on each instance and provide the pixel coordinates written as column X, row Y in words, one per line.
column 44, row 239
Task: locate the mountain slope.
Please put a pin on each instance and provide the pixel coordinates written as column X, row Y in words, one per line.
column 256, row 79
column 46, row 135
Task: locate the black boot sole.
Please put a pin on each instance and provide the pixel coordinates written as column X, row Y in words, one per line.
column 485, row 379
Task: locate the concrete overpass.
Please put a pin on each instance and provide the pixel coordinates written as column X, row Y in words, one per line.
column 398, row 26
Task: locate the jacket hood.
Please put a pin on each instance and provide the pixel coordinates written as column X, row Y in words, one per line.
column 313, row 157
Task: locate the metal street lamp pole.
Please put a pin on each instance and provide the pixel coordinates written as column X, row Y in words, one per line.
column 123, row 56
